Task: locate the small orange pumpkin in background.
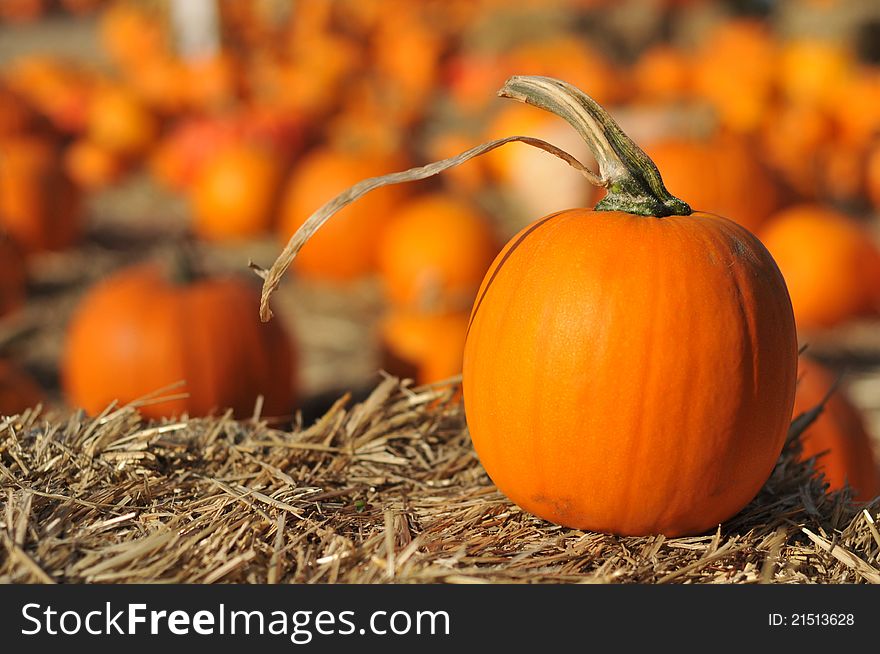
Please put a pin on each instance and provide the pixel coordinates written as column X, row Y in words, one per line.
column 143, row 329
column 19, row 391
column 346, row 249
column 426, row 347
column 92, row 166
column 234, row 194
column 719, row 175
column 40, row 207
column 119, row 122
column 837, row 436
column 662, row 74
column 434, row 252
column 58, row 89
column 829, row 261
column 13, row 276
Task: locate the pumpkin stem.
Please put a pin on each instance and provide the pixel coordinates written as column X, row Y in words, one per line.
column 272, row 276
column 633, row 181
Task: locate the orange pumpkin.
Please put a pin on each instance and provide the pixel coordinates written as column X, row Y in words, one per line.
column 119, row 122
column 347, row 248
column 39, row 204
column 19, row 391
column 426, row 347
column 92, row 166
column 142, row 330
column 830, row 263
column 234, row 194
column 57, row 89
column 13, row 277
column 662, row 74
column 837, row 436
column 721, row 175
column 734, row 72
column 434, row 253
column 629, row 369
column 132, row 32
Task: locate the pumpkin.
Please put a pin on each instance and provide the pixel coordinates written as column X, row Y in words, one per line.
column 434, row 253
column 720, row 175
column 142, row 330
column 837, row 437
column 830, row 263
column 346, row 249
column 734, row 72
column 119, row 122
column 812, row 71
column 132, row 32
column 662, row 74
column 426, row 347
column 13, row 276
column 57, row 89
column 40, row 207
column 622, row 363
column 628, row 369
column 234, row 194
column 92, row 166
column 19, row 391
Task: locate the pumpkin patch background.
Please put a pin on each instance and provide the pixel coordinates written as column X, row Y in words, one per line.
column 119, row 149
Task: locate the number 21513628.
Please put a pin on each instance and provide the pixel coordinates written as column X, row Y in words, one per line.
column 811, row 620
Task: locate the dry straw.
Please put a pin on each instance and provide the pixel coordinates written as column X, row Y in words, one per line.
column 388, row 490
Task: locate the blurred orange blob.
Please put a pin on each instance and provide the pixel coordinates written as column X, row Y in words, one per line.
column 119, row 122
column 234, row 193
column 838, row 436
column 40, row 207
column 734, row 72
column 434, row 253
column 131, row 33
column 813, row 71
column 721, row 175
column 830, row 264
column 92, row 166
column 662, row 74
column 57, row 89
column 423, row 346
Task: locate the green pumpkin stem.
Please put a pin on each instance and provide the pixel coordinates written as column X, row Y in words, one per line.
column 632, row 179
